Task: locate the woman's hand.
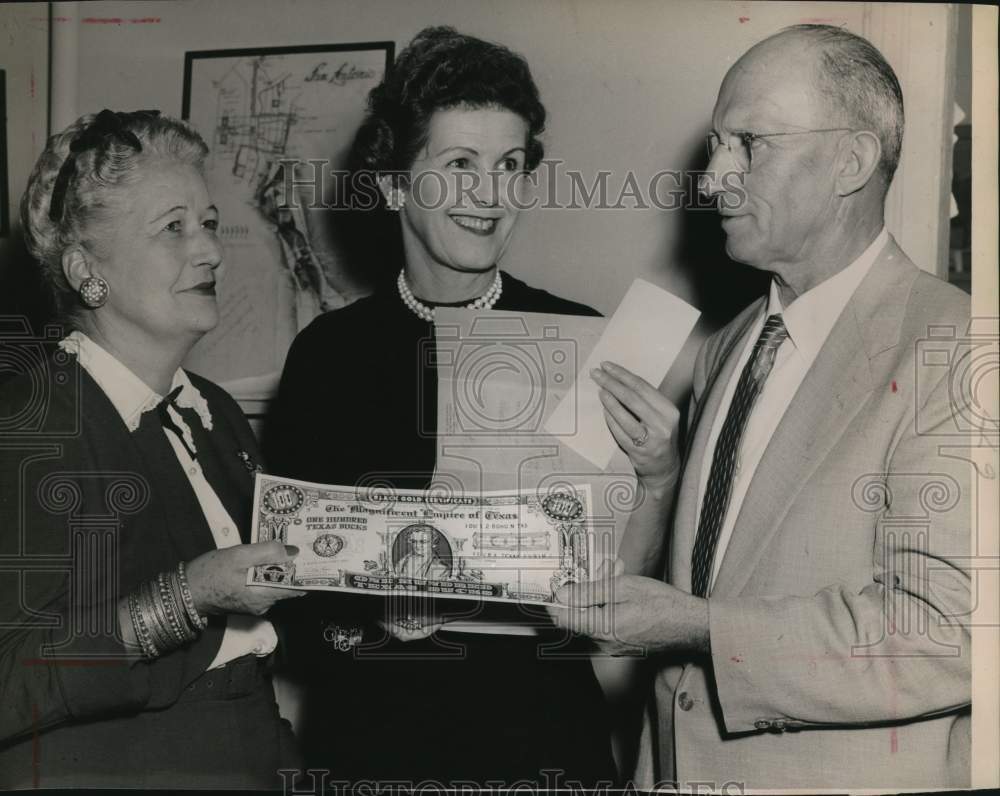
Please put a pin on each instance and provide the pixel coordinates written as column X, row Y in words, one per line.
column 218, row 579
column 410, row 620
column 644, row 422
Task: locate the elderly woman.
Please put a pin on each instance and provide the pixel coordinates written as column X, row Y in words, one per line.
column 133, row 654
column 450, row 134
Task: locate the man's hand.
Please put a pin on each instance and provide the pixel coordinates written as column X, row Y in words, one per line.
column 632, row 615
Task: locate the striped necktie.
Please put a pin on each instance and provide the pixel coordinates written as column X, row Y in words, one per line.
column 727, row 448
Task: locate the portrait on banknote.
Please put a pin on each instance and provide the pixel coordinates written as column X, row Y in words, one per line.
column 417, row 552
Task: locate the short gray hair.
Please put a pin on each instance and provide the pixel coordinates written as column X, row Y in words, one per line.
column 90, row 200
column 857, row 80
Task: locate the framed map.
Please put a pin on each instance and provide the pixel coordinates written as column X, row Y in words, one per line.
column 279, row 123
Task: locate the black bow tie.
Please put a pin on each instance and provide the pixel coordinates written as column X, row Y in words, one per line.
column 168, row 422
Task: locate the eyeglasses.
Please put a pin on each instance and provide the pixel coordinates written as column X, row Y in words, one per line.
column 740, row 145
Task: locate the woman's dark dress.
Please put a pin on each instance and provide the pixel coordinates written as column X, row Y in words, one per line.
column 75, row 486
column 358, row 402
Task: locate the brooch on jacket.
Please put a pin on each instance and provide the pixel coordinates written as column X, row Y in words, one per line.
column 248, row 462
column 343, row 639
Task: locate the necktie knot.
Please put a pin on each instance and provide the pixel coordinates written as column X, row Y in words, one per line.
column 170, row 398
column 774, row 332
column 771, row 337
column 163, row 410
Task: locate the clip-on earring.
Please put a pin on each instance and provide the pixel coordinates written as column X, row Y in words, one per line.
column 93, row 291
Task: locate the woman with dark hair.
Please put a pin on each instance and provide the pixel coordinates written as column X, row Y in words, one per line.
column 449, row 136
column 132, row 652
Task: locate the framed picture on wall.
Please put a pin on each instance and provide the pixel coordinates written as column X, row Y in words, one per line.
column 4, row 203
column 279, row 123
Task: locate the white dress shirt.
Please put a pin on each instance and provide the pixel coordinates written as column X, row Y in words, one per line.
column 808, row 320
column 131, row 397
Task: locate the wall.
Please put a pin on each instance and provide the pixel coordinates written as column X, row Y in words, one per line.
column 628, row 88
column 24, row 35
column 919, row 43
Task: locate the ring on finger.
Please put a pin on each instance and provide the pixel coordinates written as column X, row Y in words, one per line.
column 410, row 623
column 642, row 439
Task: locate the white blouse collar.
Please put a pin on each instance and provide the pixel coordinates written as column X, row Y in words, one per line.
column 129, row 394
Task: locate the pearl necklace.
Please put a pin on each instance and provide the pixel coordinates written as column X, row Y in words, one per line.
column 421, row 310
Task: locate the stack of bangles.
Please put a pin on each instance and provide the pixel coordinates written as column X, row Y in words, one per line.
column 163, row 613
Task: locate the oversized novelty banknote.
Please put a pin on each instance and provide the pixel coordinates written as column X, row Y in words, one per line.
column 499, row 546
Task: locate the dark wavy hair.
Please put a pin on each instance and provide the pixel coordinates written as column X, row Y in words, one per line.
column 441, row 69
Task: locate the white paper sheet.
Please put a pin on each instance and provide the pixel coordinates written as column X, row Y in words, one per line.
column 644, row 335
column 500, row 374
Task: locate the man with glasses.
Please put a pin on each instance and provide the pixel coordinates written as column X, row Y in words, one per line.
column 812, row 630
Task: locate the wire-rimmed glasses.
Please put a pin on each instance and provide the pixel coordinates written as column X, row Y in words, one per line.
column 740, row 145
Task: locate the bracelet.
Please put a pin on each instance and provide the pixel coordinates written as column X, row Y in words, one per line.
column 149, row 649
column 139, row 626
column 195, row 618
column 159, row 622
column 155, row 615
column 177, row 603
column 176, row 633
column 182, row 631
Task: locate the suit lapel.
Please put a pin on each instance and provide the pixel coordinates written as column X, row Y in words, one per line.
column 829, row 397
column 685, row 527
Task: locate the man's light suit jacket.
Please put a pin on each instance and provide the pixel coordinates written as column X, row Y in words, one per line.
column 840, row 649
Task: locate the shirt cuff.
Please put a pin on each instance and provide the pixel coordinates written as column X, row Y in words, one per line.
column 245, row 635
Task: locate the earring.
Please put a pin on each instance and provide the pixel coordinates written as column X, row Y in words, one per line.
column 93, row 291
column 396, row 200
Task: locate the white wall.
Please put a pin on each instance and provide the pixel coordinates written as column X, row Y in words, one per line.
column 24, row 34
column 628, row 86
